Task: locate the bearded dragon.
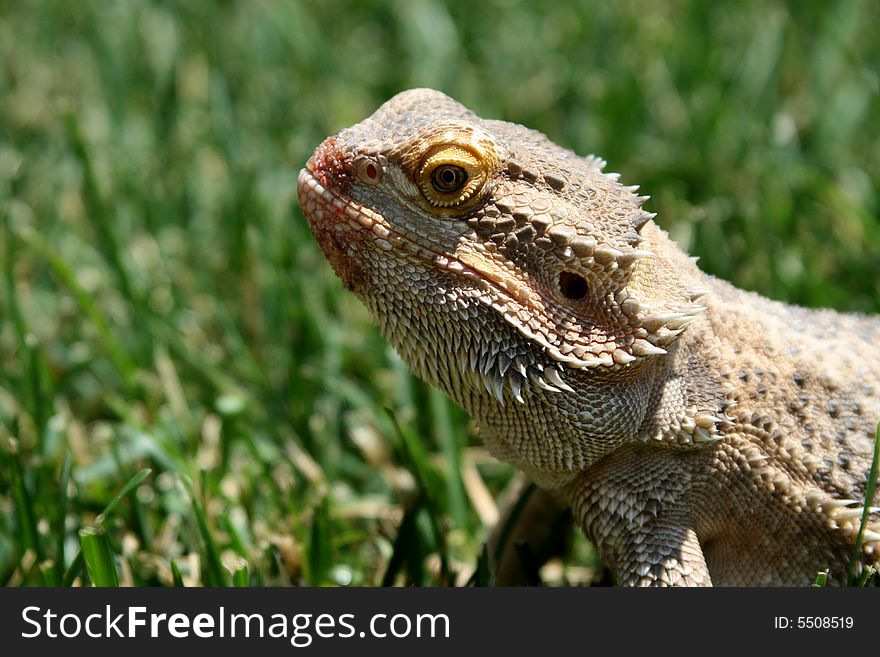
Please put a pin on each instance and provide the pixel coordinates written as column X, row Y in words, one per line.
column 700, row 434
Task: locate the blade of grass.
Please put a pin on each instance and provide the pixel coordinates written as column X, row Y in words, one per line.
column 74, row 569
column 406, row 546
column 866, row 511
column 27, row 517
column 76, row 565
column 320, row 545
column 235, row 538
column 240, row 576
column 126, row 489
column 213, row 572
column 60, row 525
column 98, row 555
column 482, row 575
column 175, row 575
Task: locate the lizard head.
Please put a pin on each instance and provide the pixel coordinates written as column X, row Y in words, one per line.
column 484, row 248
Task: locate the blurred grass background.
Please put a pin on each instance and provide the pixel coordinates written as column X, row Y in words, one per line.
column 164, row 306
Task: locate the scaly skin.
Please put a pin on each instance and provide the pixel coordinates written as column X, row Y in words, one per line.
column 701, row 434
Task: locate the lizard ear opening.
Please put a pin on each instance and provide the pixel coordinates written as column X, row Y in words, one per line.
column 573, row 286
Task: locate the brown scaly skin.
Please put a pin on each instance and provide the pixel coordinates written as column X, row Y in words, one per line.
column 702, row 435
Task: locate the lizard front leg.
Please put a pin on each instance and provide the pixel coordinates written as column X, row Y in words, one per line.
column 665, row 555
column 642, row 525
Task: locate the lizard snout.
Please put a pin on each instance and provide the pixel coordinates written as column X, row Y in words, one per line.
column 330, row 166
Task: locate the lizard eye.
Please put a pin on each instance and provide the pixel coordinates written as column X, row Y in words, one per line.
column 450, row 176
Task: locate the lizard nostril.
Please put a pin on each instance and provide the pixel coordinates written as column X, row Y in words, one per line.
column 368, row 171
column 572, row 285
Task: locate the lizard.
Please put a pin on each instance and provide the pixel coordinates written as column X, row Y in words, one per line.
column 700, row 434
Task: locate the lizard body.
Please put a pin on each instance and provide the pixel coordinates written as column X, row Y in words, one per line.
column 701, row 434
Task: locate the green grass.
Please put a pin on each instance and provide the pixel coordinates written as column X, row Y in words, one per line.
column 164, row 306
column 869, row 571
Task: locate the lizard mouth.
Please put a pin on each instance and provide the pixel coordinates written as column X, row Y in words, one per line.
column 326, row 211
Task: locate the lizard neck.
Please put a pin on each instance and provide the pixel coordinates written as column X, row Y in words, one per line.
column 462, row 347
column 552, row 435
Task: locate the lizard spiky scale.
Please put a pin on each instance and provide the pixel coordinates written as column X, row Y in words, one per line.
column 701, row 434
